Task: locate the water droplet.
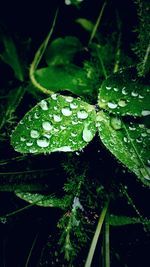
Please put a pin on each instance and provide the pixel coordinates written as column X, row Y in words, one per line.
column 44, row 142
column 145, row 172
column 148, row 161
column 32, row 150
column 57, row 118
column 29, row 143
column 124, row 91
column 55, row 108
column 47, row 136
column 62, row 127
column 148, row 131
column 3, row 220
column 44, row 105
column 47, row 126
column 145, row 112
column 125, row 139
column 69, row 99
column 82, row 114
column 143, row 134
column 132, row 128
column 141, row 126
column 66, row 112
column 74, row 122
column 34, row 134
column 122, row 103
column 116, row 89
column 73, row 134
column 141, row 97
column 63, row 149
column 87, row 134
column 36, row 115
column 22, row 139
column 54, row 96
column 116, row 123
column 111, row 105
column 134, row 94
column 139, row 140
column 108, row 87
column 73, row 105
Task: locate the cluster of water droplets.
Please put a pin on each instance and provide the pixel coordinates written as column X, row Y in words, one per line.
column 60, row 123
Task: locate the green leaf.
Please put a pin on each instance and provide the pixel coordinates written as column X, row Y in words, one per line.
column 127, row 141
column 62, row 50
column 41, row 200
column 125, row 94
column 58, row 123
column 69, row 78
column 10, row 57
column 115, row 220
column 86, row 24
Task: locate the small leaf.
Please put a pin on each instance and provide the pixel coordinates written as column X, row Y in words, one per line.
column 86, row 24
column 71, row 78
column 124, row 220
column 62, row 50
column 125, row 94
column 10, row 57
column 58, row 123
column 41, row 200
column 128, row 142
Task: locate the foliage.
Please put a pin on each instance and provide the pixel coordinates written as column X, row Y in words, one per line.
column 82, row 97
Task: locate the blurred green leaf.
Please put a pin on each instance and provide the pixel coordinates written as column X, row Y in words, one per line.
column 125, row 94
column 62, row 50
column 58, row 123
column 86, row 24
column 115, row 220
column 71, row 78
column 128, row 142
column 10, row 57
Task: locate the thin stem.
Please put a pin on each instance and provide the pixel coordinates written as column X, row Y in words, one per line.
column 96, row 236
column 145, row 59
column 101, row 62
column 106, row 241
column 30, row 252
column 97, row 23
column 118, row 53
column 38, row 57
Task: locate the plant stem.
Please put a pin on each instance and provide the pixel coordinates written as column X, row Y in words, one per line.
column 30, row 252
column 101, row 62
column 97, row 23
column 38, row 57
column 96, row 236
column 106, row 241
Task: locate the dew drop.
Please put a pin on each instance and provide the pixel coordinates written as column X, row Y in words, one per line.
column 143, row 134
column 122, row 103
column 148, row 131
column 36, row 115
column 139, row 140
column 82, row 114
column 57, row 118
column 141, row 97
column 145, row 172
column 47, row 126
column 43, row 142
column 62, row 127
column 132, row 128
column 73, row 134
column 33, row 150
column 66, row 112
column 116, row 89
column 125, row 139
column 124, row 91
column 134, row 94
column 29, row 144
column 3, row 220
column 34, row 134
column 69, row 99
column 22, row 139
column 73, row 105
column 116, row 123
column 54, row 96
column 87, row 134
column 63, row 149
column 112, row 105
column 145, row 112
column 44, row 105
column 108, row 87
